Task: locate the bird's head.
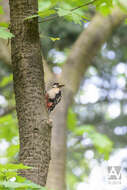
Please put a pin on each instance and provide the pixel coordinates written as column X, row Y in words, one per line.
column 57, row 85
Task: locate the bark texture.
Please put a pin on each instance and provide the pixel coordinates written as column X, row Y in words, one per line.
column 34, row 128
column 81, row 55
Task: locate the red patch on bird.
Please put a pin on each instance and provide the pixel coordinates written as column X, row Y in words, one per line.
column 49, row 104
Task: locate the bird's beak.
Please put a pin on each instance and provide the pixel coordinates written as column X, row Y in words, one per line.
column 61, row 85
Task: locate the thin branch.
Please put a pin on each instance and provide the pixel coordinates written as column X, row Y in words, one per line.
column 83, row 5
column 7, row 111
column 57, row 16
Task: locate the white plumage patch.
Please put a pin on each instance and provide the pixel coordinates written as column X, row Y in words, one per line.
column 53, row 92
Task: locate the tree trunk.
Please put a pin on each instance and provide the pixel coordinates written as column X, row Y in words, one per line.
column 34, row 128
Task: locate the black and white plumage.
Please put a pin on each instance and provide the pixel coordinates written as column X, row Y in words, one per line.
column 53, row 96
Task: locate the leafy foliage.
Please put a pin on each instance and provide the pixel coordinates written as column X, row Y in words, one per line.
column 101, row 142
column 71, row 10
column 18, row 185
column 10, row 179
column 104, row 6
column 4, row 33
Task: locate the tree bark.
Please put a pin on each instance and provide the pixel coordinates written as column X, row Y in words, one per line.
column 81, row 55
column 28, row 75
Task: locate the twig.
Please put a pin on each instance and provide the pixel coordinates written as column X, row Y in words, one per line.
column 83, row 5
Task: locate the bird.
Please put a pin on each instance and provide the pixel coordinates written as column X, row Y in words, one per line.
column 53, row 96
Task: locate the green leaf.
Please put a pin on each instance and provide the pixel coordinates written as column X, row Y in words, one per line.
column 76, row 18
column 54, row 1
column 54, row 39
column 13, row 167
column 104, row 6
column 20, row 179
column 9, row 174
column 51, row 38
column 12, row 150
column 63, row 12
column 44, row 5
column 104, row 9
column 80, row 130
column 42, row 14
column 5, row 34
column 102, row 143
column 46, row 13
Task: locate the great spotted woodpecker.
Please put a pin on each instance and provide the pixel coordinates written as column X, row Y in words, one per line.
column 53, row 96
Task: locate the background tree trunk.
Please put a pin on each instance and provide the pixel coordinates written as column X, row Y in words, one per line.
column 34, row 129
column 57, row 170
column 81, row 55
